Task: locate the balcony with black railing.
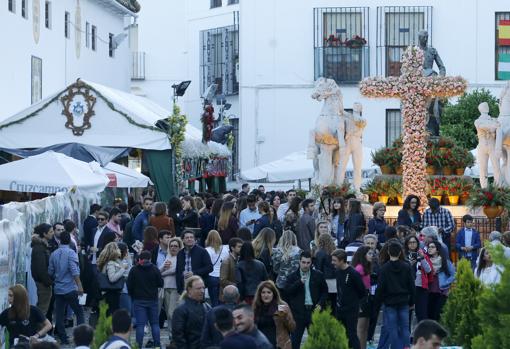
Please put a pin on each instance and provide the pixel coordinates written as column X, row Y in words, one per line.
column 341, row 50
column 137, row 65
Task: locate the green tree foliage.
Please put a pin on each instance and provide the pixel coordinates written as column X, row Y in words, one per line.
column 458, row 314
column 326, row 332
column 494, row 309
column 103, row 328
column 457, row 120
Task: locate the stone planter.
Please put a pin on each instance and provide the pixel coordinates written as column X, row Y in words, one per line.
column 492, row 211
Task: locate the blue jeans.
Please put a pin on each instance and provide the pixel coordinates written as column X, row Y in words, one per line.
column 125, row 303
column 396, row 328
column 61, row 301
column 146, row 310
column 213, row 286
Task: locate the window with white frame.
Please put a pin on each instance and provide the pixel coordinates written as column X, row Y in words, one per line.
column 341, row 43
column 11, row 5
column 393, row 125
column 219, row 59
column 24, row 9
column 215, row 3
column 67, row 18
column 398, row 28
column 93, row 37
column 47, row 14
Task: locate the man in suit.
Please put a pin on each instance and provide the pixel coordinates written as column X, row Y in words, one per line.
column 102, row 236
column 191, row 260
column 306, row 290
column 467, row 241
column 90, row 225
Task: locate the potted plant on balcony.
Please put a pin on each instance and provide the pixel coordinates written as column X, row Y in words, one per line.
column 493, row 199
column 332, row 41
column 355, row 42
column 380, row 158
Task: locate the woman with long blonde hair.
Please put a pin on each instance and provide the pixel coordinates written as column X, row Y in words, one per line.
column 321, row 228
column 218, row 252
column 263, row 247
column 21, row 318
column 227, row 223
column 273, row 316
column 285, row 258
column 109, row 263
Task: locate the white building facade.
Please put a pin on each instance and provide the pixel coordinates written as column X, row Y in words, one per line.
column 48, row 44
column 284, row 45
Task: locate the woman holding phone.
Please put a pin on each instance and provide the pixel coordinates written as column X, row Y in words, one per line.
column 273, row 316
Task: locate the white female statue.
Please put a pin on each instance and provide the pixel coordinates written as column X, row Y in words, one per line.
column 503, row 135
column 328, row 135
column 486, row 127
column 354, row 126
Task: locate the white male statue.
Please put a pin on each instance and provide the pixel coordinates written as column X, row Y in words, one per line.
column 355, row 124
column 486, row 127
column 328, row 135
column 503, row 135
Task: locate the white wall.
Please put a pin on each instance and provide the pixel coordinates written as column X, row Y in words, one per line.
column 277, row 62
column 60, row 65
column 169, row 33
column 277, row 67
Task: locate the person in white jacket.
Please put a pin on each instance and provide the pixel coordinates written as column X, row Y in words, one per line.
column 487, row 272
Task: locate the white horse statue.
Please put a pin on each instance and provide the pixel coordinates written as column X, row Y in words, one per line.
column 327, row 139
column 503, row 135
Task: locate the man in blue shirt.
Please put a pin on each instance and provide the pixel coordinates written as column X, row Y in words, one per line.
column 250, row 214
column 142, row 220
column 64, row 269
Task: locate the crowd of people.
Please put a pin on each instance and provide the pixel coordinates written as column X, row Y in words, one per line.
column 247, row 269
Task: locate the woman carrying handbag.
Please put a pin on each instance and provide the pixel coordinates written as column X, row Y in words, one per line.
column 111, row 275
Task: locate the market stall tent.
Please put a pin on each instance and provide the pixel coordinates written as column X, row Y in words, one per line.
column 52, row 173
column 296, row 166
column 92, row 114
column 124, row 177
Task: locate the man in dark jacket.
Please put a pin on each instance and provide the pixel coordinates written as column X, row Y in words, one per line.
column 143, row 282
column 211, row 336
column 395, row 289
column 350, row 290
column 189, row 317
column 306, row 225
column 39, row 265
column 191, row 260
column 306, row 290
column 90, row 225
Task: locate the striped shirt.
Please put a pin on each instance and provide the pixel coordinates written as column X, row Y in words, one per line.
column 352, row 248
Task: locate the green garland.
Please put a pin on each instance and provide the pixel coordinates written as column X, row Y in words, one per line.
column 230, row 136
column 108, row 103
column 176, row 133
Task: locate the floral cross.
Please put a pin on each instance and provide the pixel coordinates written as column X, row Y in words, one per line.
column 414, row 90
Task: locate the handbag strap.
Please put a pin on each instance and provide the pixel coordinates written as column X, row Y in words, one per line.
column 219, row 255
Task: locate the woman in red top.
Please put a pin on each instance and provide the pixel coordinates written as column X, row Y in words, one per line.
column 362, row 263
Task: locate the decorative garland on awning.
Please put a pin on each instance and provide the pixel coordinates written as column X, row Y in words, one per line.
column 79, row 83
column 176, row 133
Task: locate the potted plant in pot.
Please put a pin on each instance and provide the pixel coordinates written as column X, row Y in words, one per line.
column 453, row 190
column 446, row 160
column 493, row 199
column 380, row 158
column 395, row 160
column 370, row 189
column 436, row 188
column 396, row 190
column 383, row 190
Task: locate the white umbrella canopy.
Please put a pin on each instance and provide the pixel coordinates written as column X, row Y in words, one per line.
column 296, row 166
column 124, row 177
column 51, row 173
